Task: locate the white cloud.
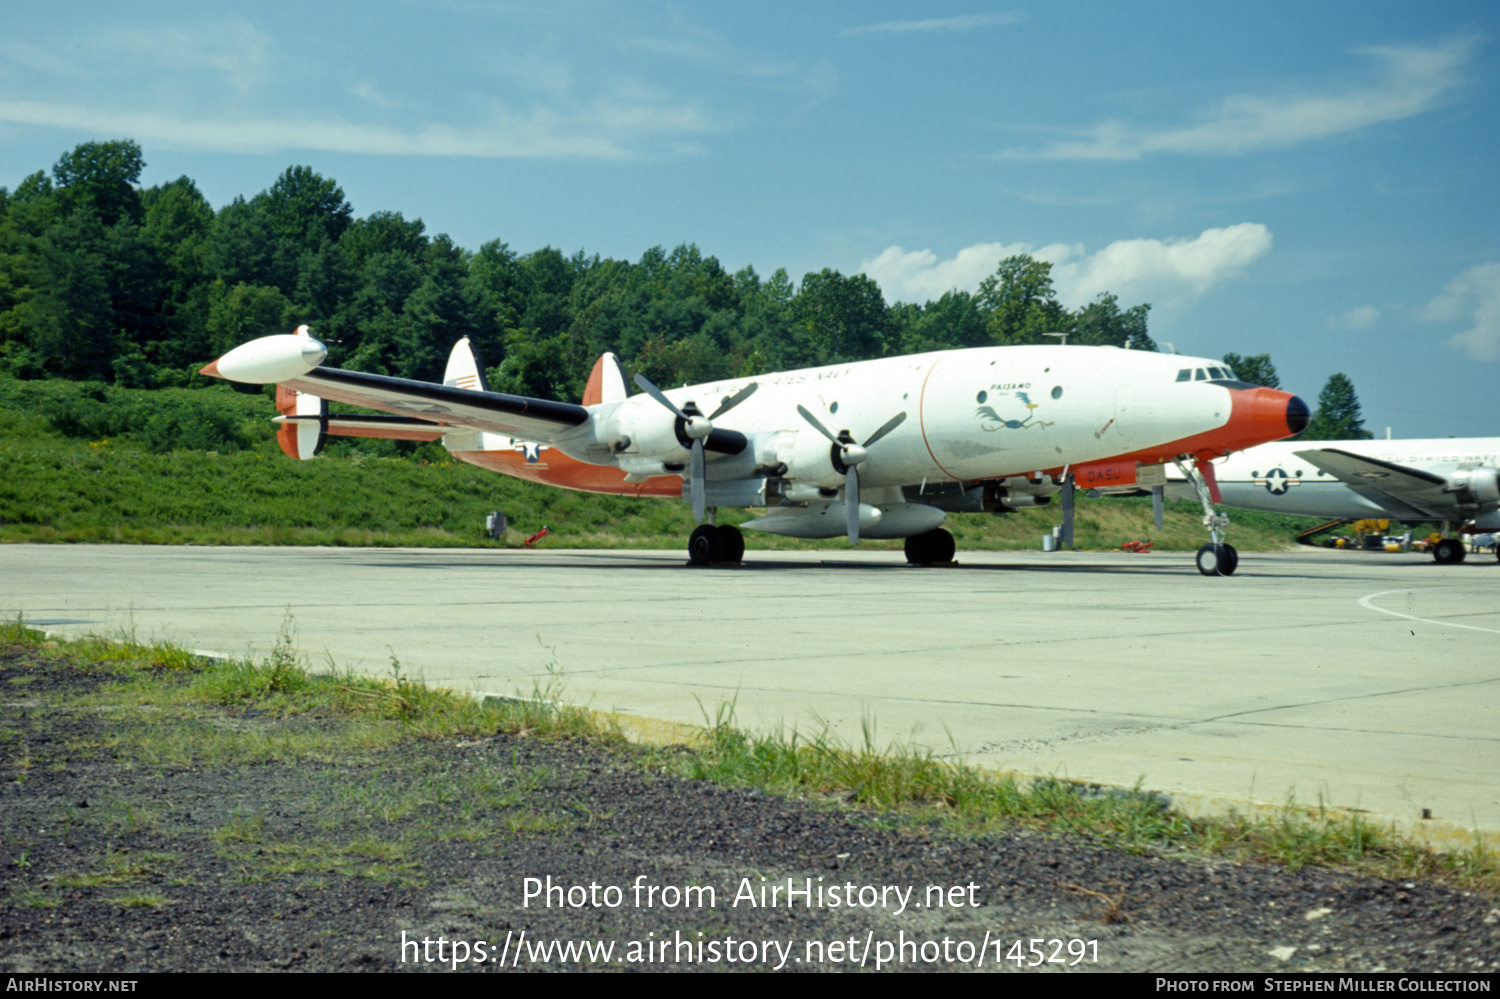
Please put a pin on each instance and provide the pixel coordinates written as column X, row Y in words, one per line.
column 967, row 22
column 229, row 86
column 603, row 130
column 236, row 50
column 1356, row 319
column 1413, row 80
column 1473, row 296
column 1131, row 268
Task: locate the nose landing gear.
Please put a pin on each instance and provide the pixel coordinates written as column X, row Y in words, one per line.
column 1218, row 557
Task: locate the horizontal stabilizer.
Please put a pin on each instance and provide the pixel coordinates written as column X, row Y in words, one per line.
column 400, row 428
column 512, row 415
column 290, row 361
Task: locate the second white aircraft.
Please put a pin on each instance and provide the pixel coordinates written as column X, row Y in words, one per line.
column 1455, row 481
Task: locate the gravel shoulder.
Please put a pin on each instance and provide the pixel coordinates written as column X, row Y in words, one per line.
column 112, row 861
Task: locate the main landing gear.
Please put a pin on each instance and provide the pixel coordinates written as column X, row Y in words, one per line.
column 934, row 546
column 1449, row 551
column 1218, row 557
column 711, row 544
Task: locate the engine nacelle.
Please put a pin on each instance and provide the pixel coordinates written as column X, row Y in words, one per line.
column 641, row 428
column 809, row 460
column 1477, row 486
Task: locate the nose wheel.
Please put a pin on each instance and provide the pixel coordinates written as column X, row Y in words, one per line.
column 1218, row 560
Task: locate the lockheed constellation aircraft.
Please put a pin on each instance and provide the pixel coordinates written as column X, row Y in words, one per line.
column 877, row 449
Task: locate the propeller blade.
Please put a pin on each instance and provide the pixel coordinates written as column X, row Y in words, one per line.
column 851, row 503
column 816, row 425
column 734, row 400
column 696, row 471
column 890, row 425
column 655, row 393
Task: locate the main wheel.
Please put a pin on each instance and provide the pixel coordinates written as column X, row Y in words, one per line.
column 734, row 544
column 1218, row 560
column 1449, row 551
column 705, row 545
column 934, row 546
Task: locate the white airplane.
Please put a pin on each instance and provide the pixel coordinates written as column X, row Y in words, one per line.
column 914, row 438
column 1453, row 480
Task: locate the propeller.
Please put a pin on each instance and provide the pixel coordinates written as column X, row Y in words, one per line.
column 696, row 427
column 851, row 455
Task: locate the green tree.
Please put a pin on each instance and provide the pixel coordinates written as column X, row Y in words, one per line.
column 1103, row 323
column 68, row 319
column 102, row 176
column 304, row 208
column 242, row 313
column 840, row 318
column 1256, row 369
column 380, row 232
column 1019, row 303
column 953, row 321
column 1338, row 417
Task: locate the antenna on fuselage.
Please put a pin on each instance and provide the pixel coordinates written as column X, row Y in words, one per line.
column 1063, row 335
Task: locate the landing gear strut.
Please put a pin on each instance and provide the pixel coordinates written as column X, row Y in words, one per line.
column 1217, row 558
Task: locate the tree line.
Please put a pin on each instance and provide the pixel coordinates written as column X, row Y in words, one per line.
column 101, row 279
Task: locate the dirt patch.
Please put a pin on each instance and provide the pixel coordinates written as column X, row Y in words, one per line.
column 115, row 860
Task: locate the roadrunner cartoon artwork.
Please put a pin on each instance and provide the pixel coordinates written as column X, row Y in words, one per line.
column 988, row 414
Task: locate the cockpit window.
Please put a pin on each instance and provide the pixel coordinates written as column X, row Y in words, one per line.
column 1216, row 372
column 1185, row 375
column 1200, row 375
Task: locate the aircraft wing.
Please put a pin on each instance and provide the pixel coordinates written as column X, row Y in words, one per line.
column 1407, row 493
column 539, row 420
column 294, row 362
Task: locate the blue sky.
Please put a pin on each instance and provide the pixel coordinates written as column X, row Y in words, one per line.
column 1316, row 181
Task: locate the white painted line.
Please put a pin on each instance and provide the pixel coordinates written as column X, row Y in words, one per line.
column 1365, row 603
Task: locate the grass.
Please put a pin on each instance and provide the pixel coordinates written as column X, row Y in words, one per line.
column 167, row 715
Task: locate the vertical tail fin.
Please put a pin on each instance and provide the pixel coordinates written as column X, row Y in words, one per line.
column 301, row 438
column 464, row 370
column 606, row 381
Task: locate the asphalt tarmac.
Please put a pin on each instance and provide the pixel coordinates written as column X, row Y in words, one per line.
column 1352, row 680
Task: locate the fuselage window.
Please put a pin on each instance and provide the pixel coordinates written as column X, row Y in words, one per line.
column 981, row 397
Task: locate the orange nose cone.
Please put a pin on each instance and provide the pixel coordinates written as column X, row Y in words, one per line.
column 1260, row 415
